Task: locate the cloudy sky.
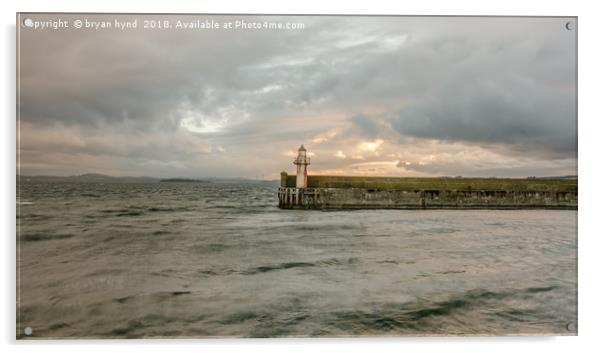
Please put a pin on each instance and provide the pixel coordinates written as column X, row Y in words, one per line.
column 399, row 96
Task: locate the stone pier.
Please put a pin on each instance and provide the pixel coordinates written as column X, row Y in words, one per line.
column 401, row 193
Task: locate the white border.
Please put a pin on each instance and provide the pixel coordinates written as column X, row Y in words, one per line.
column 589, row 173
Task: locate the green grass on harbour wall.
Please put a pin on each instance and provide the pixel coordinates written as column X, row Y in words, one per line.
column 442, row 183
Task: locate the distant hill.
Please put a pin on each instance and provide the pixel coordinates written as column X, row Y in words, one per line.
column 86, row 178
column 183, row 180
column 102, row 178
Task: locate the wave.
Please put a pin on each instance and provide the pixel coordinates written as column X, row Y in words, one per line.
column 282, row 266
column 289, row 265
column 167, row 209
column 89, row 194
column 430, row 317
column 130, row 213
column 426, row 316
column 44, row 236
column 139, row 211
column 22, row 202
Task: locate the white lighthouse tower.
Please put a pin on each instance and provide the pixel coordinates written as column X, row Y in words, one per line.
column 302, row 161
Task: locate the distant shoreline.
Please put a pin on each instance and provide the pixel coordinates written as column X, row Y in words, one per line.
column 183, row 180
column 107, row 179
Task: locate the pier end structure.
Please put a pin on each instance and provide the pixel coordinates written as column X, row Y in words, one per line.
column 360, row 192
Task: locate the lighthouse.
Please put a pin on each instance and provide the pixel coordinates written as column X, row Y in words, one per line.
column 302, row 161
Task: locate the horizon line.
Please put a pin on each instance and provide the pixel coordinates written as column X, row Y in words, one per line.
column 258, row 179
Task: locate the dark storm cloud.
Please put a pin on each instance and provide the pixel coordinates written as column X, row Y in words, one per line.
column 499, row 83
column 90, row 77
column 523, row 96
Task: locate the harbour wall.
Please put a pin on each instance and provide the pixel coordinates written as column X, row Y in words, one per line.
column 401, row 193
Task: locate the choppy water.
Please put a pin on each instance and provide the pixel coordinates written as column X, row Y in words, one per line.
column 207, row 260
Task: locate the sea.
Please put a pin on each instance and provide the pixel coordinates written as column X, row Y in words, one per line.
column 221, row 260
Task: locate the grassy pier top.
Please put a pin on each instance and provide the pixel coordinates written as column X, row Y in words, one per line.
column 441, row 183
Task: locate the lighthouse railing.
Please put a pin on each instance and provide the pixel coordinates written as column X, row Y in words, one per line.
column 302, row 160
